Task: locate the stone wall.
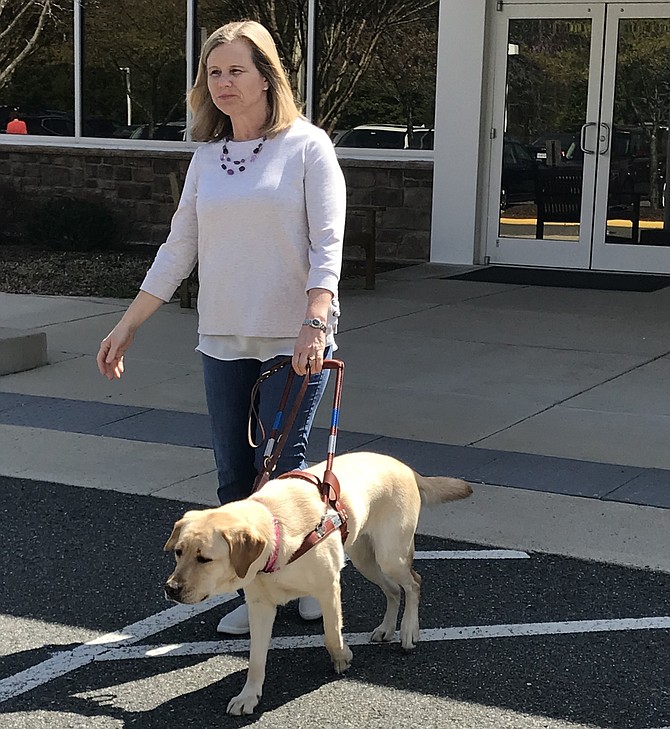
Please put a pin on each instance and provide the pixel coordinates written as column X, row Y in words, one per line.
column 405, row 190
column 136, row 185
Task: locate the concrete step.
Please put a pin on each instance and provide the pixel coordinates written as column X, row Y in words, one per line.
column 21, row 349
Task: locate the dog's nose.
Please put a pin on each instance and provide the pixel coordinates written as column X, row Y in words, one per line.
column 172, row 590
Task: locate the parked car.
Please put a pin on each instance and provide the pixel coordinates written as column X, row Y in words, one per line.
column 50, row 123
column 174, row 131
column 386, row 136
column 629, row 159
column 55, row 123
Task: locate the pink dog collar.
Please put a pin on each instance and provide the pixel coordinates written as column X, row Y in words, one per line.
column 270, row 565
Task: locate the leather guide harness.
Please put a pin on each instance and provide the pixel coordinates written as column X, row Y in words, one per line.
column 335, row 515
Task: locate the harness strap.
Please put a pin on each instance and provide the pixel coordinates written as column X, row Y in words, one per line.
column 329, row 488
column 335, row 516
column 329, row 524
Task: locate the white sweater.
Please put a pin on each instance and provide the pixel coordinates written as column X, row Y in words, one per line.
column 261, row 237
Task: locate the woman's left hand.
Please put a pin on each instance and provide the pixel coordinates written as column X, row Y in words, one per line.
column 308, row 351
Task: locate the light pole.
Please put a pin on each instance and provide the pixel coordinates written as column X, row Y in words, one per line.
column 125, row 70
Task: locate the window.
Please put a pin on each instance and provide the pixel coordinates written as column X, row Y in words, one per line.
column 376, row 66
column 135, row 69
column 373, row 76
column 286, row 20
column 40, row 48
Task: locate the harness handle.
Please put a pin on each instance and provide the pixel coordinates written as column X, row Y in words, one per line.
column 279, row 432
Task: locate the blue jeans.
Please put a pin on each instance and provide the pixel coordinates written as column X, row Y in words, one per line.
column 228, row 386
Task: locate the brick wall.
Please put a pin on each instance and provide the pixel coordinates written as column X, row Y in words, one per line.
column 135, row 184
column 405, row 190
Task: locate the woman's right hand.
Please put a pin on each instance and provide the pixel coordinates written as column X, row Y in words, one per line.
column 112, row 349
column 117, row 342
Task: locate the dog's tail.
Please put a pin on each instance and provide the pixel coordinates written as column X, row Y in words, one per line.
column 438, row 489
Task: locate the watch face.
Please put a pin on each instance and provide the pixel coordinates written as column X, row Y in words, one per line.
column 316, row 323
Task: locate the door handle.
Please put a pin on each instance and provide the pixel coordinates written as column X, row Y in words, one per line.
column 605, row 136
column 582, row 138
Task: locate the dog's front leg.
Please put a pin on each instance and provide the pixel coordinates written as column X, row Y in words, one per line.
column 331, row 607
column 261, row 619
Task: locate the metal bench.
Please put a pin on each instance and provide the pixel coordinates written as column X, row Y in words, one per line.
column 559, row 200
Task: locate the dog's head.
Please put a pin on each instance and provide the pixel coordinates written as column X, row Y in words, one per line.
column 214, row 550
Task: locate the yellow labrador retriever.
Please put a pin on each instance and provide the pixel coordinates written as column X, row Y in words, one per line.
column 225, row 549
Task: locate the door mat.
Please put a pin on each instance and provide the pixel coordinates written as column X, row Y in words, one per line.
column 565, row 279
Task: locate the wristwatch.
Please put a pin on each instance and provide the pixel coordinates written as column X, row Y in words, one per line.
column 316, row 323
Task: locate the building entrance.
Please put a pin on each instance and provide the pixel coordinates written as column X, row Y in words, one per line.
column 579, row 145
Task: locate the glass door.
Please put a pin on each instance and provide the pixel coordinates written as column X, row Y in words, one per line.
column 545, row 134
column 580, row 150
column 632, row 218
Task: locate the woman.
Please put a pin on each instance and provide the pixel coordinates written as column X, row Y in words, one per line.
column 262, row 212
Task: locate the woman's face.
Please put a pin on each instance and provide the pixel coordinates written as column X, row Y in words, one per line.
column 235, row 84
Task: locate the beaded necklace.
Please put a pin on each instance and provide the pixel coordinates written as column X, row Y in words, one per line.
column 241, row 163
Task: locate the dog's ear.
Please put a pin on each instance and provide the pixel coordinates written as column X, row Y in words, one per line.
column 174, row 537
column 245, row 549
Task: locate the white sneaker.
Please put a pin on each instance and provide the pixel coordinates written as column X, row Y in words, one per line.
column 236, row 622
column 309, row 608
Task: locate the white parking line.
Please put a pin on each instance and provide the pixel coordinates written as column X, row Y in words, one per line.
column 68, row 661
column 473, row 554
column 471, row 632
column 120, row 645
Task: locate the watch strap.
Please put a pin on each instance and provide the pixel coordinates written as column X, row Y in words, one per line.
column 315, row 323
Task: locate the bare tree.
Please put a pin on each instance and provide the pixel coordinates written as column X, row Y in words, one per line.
column 643, row 93
column 349, row 33
column 146, row 39
column 408, row 63
column 22, row 22
column 285, row 19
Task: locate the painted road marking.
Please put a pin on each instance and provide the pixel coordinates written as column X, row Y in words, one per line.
column 120, row 645
column 68, row 661
column 473, row 554
column 471, row 632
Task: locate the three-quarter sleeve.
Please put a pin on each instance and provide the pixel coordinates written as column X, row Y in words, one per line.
column 176, row 258
column 325, row 201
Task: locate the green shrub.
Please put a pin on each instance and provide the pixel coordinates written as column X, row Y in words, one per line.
column 73, row 224
column 13, row 212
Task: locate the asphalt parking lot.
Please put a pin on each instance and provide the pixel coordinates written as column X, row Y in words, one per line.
column 508, row 639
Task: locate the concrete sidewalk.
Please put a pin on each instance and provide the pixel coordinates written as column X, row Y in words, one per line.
column 555, row 401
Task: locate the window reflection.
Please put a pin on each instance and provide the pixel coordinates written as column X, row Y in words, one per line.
column 545, row 107
column 41, row 89
column 286, row 21
column 375, row 75
column 134, row 69
column 639, row 143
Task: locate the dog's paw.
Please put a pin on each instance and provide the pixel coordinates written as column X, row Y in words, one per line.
column 383, row 634
column 409, row 637
column 342, row 661
column 244, row 703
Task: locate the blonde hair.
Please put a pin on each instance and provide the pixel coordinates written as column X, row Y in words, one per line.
column 211, row 124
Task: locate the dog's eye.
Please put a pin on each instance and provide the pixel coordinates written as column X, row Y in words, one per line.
column 202, row 559
column 178, row 552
